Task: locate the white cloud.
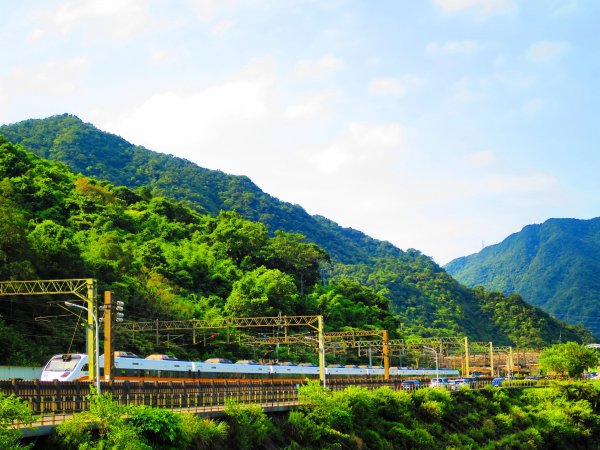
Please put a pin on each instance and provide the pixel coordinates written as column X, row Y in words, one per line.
column 317, row 69
column 453, row 47
column 441, row 191
column 482, row 8
column 160, row 56
column 543, row 51
column 223, row 126
column 51, row 79
column 480, row 159
column 188, row 117
column 222, row 27
column 41, row 90
column 114, row 19
column 208, row 9
column 311, row 107
column 396, row 86
column 364, row 147
column 37, row 34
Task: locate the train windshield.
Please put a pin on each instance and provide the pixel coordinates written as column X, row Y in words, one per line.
column 63, row 363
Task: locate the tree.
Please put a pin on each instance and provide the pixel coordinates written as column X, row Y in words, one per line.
column 290, row 253
column 14, row 248
column 570, row 359
column 238, row 237
column 12, row 409
column 262, row 292
column 54, row 248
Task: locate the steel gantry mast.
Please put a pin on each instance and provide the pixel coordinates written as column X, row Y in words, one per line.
column 84, row 289
column 314, row 322
column 348, row 339
column 335, row 339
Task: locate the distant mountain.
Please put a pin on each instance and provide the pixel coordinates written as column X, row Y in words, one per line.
column 555, row 266
column 428, row 301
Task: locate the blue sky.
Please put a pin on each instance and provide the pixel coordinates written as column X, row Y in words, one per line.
column 440, row 125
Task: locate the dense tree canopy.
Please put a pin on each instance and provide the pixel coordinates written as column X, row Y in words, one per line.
column 568, row 359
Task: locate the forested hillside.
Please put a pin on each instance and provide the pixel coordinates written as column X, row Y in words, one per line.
column 553, row 265
column 104, row 156
column 169, row 261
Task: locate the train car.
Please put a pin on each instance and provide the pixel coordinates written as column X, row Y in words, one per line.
column 71, row 367
column 67, row 367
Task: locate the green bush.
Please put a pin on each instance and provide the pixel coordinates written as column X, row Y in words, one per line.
column 204, row 434
column 562, row 416
column 249, row 426
column 406, row 438
column 12, row 409
column 161, row 428
column 102, row 426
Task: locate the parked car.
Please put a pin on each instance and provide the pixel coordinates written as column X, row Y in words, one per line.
column 458, row 383
column 497, row 382
column 439, row 383
column 468, row 381
column 454, row 385
column 410, row 385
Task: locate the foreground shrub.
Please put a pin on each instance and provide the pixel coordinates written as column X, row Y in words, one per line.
column 204, row 434
column 249, row 426
column 12, row 409
column 103, row 426
column 161, row 428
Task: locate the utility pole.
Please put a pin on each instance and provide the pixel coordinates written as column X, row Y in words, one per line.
column 491, row 359
column 467, row 368
column 112, row 313
column 321, row 350
column 386, row 356
column 109, row 355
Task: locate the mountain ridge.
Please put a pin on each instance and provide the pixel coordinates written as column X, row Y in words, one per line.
column 552, row 265
column 206, row 190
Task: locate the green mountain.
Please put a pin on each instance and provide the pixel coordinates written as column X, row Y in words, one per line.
column 554, row 266
column 354, row 280
column 105, row 156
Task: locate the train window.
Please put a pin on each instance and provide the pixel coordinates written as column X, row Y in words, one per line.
column 85, row 368
column 63, row 363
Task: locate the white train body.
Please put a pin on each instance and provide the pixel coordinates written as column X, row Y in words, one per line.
column 71, row 367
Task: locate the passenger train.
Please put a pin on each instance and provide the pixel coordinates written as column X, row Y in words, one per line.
column 127, row 366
